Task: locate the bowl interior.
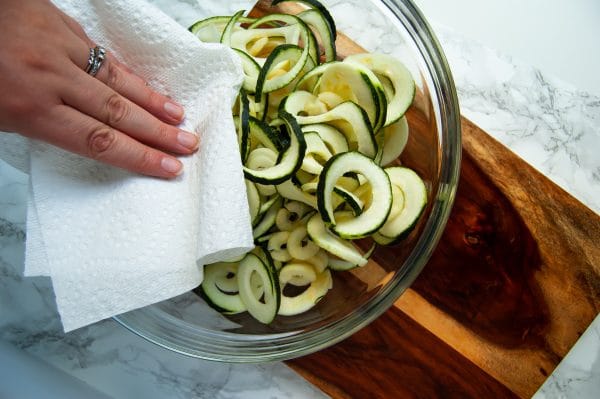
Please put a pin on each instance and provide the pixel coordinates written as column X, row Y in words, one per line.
column 186, row 324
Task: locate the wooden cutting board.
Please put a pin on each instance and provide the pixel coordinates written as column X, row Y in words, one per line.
column 512, row 285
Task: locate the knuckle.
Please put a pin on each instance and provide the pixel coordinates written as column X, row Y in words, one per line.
column 115, row 76
column 148, row 160
column 163, row 134
column 36, row 61
column 100, row 141
column 117, row 109
column 154, row 99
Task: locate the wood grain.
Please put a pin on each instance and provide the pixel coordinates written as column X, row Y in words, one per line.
column 512, row 285
column 499, row 304
column 395, row 357
column 515, row 279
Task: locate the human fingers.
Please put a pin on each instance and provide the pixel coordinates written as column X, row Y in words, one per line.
column 74, row 131
column 94, row 98
column 134, row 111
column 121, row 78
column 74, row 26
column 122, row 115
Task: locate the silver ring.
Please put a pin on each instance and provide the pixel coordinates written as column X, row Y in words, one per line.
column 97, row 57
column 90, row 62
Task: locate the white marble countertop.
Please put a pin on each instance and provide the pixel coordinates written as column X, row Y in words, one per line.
column 552, row 124
column 559, row 37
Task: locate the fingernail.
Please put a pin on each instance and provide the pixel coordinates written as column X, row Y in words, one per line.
column 171, row 165
column 174, row 110
column 188, row 140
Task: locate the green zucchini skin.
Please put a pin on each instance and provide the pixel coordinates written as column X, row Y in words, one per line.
column 317, row 6
column 290, row 158
column 315, row 136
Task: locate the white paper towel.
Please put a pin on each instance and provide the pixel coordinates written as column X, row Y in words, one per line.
column 112, row 241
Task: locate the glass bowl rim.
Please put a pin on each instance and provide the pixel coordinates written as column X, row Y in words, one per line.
column 237, row 348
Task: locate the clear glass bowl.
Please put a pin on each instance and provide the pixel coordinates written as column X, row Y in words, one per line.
column 187, row 325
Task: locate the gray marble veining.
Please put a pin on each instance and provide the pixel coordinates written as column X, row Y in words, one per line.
column 552, row 125
column 105, row 355
column 555, row 128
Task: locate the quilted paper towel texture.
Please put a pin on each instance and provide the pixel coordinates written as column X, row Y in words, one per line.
column 112, row 241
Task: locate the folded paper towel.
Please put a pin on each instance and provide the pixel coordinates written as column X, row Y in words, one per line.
column 112, row 241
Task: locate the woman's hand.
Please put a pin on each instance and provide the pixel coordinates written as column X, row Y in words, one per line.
column 46, row 94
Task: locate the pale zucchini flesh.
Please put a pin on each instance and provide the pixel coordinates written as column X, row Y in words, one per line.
column 395, row 138
column 348, row 118
column 399, row 76
column 227, row 302
column 290, row 159
column 309, row 298
column 312, row 140
column 319, row 233
column 414, row 201
column 266, row 309
column 372, row 218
